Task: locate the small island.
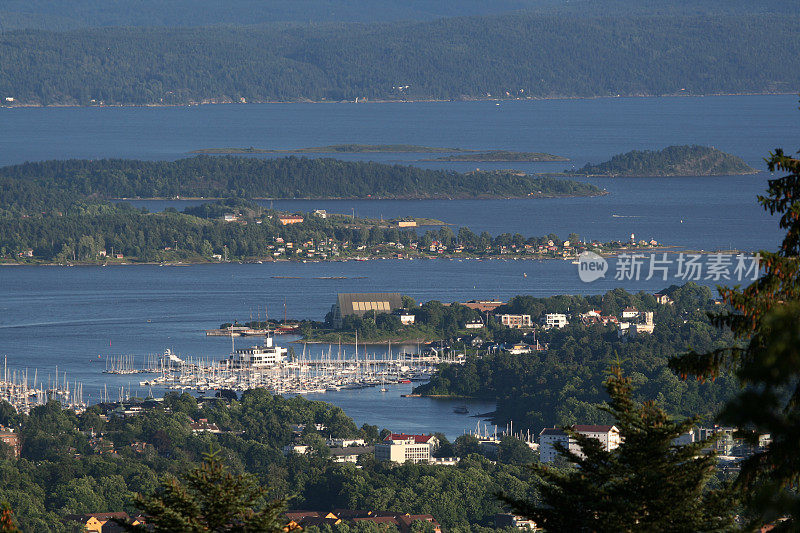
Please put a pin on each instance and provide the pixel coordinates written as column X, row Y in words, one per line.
column 684, row 160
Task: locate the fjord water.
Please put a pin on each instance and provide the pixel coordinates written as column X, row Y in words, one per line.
column 68, row 316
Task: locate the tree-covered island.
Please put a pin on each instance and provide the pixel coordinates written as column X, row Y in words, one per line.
column 292, row 177
column 455, row 154
column 687, row 160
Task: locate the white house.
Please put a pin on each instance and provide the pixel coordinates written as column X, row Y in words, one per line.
column 630, row 312
column 406, row 319
column 555, row 320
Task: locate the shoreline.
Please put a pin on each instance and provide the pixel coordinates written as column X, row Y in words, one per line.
column 394, row 101
column 350, row 198
column 270, row 260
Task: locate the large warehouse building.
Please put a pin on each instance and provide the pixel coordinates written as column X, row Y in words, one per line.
column 360, row 303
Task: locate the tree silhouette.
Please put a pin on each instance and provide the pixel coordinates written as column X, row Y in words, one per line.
column 648, row 483
column 210, row 499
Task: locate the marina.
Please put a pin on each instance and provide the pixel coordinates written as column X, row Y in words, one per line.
column 267, row 366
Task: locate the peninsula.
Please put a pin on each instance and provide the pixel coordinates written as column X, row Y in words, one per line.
column 684, row 160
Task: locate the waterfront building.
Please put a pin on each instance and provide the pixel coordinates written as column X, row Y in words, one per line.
column 360, row 304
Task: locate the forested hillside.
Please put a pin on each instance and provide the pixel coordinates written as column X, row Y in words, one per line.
column 522, row 55
column 562, row 385
column 46, row 14
column 51, row 184
column 671, row 161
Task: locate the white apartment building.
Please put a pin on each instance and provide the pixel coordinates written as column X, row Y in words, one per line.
column 555, row 320
column 400, row 448
column 516, row 321
column 607, row 435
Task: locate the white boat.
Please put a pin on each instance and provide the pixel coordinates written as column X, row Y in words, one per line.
column 265, row 356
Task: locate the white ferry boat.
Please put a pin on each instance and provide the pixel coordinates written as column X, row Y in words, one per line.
column 265, row 356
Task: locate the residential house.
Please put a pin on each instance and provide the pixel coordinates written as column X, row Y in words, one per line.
column 630, row 313
column 515, row 321
column 663, row 299
column 10, row 437
column 204, row 426
column 290, row 219
column 555, row 320
column 101, row 522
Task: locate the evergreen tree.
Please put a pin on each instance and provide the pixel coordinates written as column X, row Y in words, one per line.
column 648, row 483
column 212, row 499
column 765, row 318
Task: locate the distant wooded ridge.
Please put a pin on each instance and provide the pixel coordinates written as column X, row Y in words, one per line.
column 46, row 14
column 50, row 185
column 336, row 148
column 456, row 154
column 511, row 56
column 685, row 160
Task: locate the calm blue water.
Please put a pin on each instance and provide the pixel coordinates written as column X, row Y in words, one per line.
column 584, row 130
column 67, row 316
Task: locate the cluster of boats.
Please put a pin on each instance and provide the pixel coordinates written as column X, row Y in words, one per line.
column 268, row 366
column 23, row 394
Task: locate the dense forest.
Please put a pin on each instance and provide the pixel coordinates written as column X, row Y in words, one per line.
column 562, row 385
column 671, row 161
column 85, row 463
column 512, row 56
column 39, row 185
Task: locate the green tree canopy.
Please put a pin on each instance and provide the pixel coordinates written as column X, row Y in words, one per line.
column 648, row 483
